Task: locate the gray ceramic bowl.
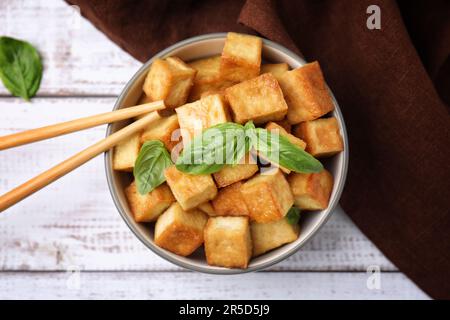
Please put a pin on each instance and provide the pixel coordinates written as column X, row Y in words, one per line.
column 195, row 48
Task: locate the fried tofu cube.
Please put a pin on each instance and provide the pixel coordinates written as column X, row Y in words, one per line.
column 271, row 235
column 196, row 116
column 285, row 125
column 228, row 242
column 208, row 79
column 322, row 137
column 126, row 153
column 273, row 127
column 207, row 208
column 170, row 80
column 277, row 69
column 190, row 190
column 241, row 57
column 306, row 93
column 180, row 231
column 148, row 207
column 144, row 99
column 229, row 201
column 259, row 99
column 311, row 190
column 162, row 130
column 230, row 174
column 268, row 196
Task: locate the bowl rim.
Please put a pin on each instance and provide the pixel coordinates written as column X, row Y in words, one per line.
column 211, row 269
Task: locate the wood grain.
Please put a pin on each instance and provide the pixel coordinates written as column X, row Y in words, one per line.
column 186, row 285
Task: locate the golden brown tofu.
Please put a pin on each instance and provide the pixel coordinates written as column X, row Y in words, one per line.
column 162, row 130
column 272, row 126
column 207, row 208
column 241, row 57
column 322, row 137
column 180, row 231
column 259, row 99
column 277, row 69
column 311, row 190
column 148, row 207
column 208, row 79
column 228, row 242
column 126, row 153
column 271, row 235
column 144, row 99
column 268, row 196
column 190, row 190
column 196, row 116
column 230, row 174
column 306, row 93
column 229, row 201
column 285, row 125
column 170, row 80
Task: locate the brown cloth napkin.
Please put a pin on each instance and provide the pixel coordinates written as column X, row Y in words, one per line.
column 386, row 81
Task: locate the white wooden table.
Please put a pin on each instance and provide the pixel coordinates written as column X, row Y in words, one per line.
column 73, row 225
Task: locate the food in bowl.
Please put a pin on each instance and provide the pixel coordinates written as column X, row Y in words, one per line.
column 249, row 201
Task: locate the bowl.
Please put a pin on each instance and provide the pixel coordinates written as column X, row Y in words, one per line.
column 201, row 47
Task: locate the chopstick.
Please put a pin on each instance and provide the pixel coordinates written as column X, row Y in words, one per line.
column 33, row 135
column 21, row 192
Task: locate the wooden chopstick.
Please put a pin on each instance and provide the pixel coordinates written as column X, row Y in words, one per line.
column 12, row 197
column 33, row 135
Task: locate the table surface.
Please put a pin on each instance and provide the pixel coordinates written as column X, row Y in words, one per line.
column 68, row 241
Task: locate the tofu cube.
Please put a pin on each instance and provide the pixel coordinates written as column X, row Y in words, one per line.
column 271, row 235
column 208, row 69
column 190, row 190
column 259, row 99
column 273, row 127
column 230, row 174
column 180, row 231
column 229, row 201
column 311, row 190
column 306, row 93
column 207, row 208
column 148, row 207
column 126, row 153
column 268, row 196
column 322, row 137
column 241, row 57
column 285, row 125
column 162, row 130
column 228, row 242
column 277, row 69
column 196, row 116
column 170, row 80
column 144, row 99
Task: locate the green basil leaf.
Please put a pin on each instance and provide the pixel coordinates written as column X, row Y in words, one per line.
column 150, row 164
column 293, row 215
column 20, row 67
column 280, row 150
column 216, row 146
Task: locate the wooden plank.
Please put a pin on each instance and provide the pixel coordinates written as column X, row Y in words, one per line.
column 74, row 221
column 186, row 285
column 78, row 59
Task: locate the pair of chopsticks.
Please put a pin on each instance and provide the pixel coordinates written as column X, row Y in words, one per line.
column 21, row 192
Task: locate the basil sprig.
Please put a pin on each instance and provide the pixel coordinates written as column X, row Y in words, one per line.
column 293, row 215
column 150, row 164
column 20, row 67
column 227, row 143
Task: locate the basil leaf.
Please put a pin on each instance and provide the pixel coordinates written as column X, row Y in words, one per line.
column 20, row 67
column 280, row 150
column 293, row 215
column 218, row 145
column 150, row 164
